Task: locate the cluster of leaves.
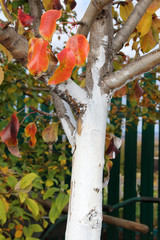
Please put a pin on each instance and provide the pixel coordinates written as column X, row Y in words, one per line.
column 43, row 168
column 146, row 35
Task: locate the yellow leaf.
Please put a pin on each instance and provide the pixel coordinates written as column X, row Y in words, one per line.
column 125, row 10
column 20, row 29
column 5, row 11
column 155, row 5
column 18, row 233
column 147, row 42
column 144, row 25
column 49, row 183
column 1, row 75
column 6, row 52
column 155, row 32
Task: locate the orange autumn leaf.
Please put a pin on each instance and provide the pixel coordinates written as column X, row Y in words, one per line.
column 154, row 6
column 32, row 42
column 67, row 62
column 120, row 92
column 80, row 46
column 30, row 131
column 48, row 23
column 38, row 56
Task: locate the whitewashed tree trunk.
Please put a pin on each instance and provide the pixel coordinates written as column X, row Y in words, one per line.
column 85, row 208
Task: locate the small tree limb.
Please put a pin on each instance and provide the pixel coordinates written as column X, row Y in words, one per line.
column 94, row 8
column 15, row 43
column 124, row 33
column 36, row 12
column 127, row 74
column 66, row 117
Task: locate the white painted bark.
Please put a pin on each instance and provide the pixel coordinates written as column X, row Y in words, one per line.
column 85, row 207
column 85, row 210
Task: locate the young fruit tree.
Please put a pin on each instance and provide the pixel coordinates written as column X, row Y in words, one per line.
column 82, row 108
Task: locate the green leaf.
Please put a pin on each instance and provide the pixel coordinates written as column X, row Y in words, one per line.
column 36, row 228
column 50, row 192
column 2, row 237
column 57, row 206
column 32, row 206
column 3, row 217
column 45, row 223
column 22, row 196
column 11, row 181
column 27, row 180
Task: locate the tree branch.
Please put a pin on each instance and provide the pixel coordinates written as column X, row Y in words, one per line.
column 131, row 71
column 71, row 89
column 100, row 55
column 124, row 33
column 36, row 11
column 15, row 43
column 94, row 8
column 66, row 117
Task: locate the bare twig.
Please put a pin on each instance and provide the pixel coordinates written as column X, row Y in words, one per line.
column 44, row 113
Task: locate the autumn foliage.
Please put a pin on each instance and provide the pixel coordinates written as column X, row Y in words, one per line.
column 74, row 54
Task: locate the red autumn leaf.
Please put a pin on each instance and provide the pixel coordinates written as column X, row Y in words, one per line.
column 30, row 131
column 9, row 133
column 24, row 18
column 64, row 71
column 48, row 23
column 113, row 144
column 138, row 91
column 80, row 46
column 38, row 56
column 71, row 4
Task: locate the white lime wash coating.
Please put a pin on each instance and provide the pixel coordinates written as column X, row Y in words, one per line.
column 85, row 208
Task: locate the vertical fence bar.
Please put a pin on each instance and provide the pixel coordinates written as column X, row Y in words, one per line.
column 147, row 164
column 113, row 190
column 130, row 165
column 147, row 169
column 159, row 186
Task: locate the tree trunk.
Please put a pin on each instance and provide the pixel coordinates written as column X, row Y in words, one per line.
column 85, row 207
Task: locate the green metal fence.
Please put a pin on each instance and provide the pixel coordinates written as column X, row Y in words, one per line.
column 139, row 202
column 145, row 210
